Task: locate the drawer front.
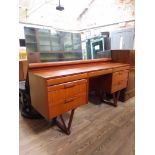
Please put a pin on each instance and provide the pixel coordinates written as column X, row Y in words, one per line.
column 60, row 93
column 119, row 76
column 66, row 79
column 123, row 84
column 56, row 97
column 121, row 68
column 68, row 105
column 119, row 85
column 75, row 90
column 119, row 80
column 100, row 72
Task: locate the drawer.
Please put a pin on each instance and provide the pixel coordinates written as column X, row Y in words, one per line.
column 119, row 85
column 68, row 105
column 119, row 76
column 100, row 72
column 75, row 90
column 121, row 68
column 56, row 97
column 58, row 94
column 67, row 85
column 66, row 79
column 123, row 84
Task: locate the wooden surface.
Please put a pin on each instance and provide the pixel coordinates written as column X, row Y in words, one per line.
column 62, row 71
column 66, row 79
column 22, row 69
column 66, row 63
column 123, row 56
column 96, row 130
column 44, row 79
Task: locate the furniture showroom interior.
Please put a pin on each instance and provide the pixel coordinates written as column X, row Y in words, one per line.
column 76, row 77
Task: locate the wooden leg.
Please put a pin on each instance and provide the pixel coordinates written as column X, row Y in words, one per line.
column 62, row 126
column 115, row 99
column 70, row 120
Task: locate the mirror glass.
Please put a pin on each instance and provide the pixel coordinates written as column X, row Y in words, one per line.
column 48, row 45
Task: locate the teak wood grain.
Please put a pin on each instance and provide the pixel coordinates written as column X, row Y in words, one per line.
column 66, row 63
column 59, row 87
column 66, row 79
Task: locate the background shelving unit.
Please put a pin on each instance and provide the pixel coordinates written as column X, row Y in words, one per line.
column 31, row 40
column 56, row 46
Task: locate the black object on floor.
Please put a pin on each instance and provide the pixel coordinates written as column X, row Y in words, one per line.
column 27, row 110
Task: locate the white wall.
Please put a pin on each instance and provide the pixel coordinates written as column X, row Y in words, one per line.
column 103, row 12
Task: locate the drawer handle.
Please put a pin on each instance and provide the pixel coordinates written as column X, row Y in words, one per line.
column 69, row 100
column 69, row 86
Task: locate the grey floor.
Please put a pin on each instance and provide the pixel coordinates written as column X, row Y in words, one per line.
column 96, row 130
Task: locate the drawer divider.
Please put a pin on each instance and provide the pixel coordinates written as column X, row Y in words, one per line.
column 69, row 86
column 70, row 100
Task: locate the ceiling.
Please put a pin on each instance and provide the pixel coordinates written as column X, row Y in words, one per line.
column 77, row 14
column 44, row 12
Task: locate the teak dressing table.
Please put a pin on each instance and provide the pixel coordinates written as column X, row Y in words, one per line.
column 58, row 87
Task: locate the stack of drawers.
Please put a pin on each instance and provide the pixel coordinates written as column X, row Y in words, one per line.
column 66, row 96
column 114, row 82
column 119, row 80
column 126, row 56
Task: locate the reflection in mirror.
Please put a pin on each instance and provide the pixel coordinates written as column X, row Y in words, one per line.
column 46, row 45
